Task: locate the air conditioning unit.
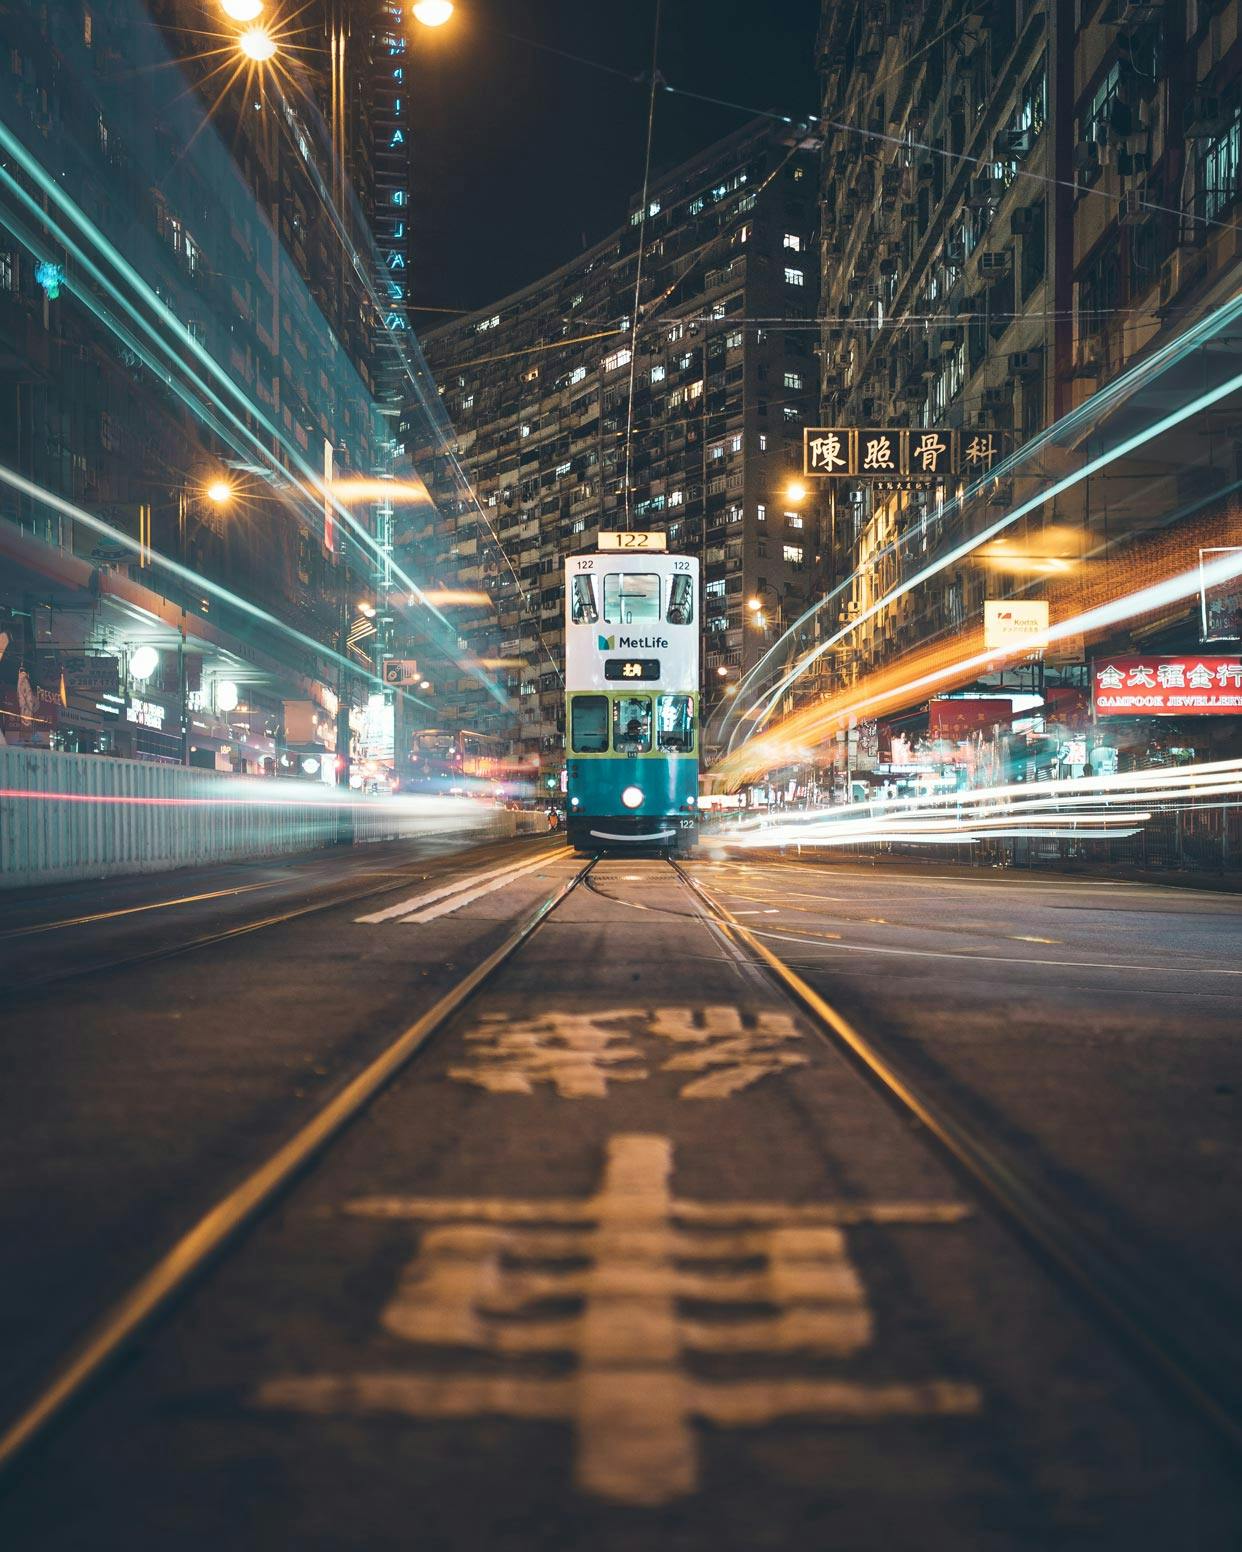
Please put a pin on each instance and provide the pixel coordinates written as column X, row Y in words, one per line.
column 995, row 263
column 1013, row 143
column 1025, row 363
column 1131, row 13
column 1087, row 358
column 1132, row 208
column 1202, row 116
column 997, row 399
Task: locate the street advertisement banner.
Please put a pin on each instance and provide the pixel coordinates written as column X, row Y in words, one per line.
column 1185, row 686
column 956, row 720
column 1008, row 621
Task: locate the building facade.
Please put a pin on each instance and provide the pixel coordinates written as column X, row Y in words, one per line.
column 569, row 420
column 187, row 312
column 1023, row 204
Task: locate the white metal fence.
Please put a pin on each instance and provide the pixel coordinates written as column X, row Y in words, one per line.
column 66, row 816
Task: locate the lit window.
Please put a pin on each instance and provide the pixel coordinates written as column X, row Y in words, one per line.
column 793, row 519
column 790, row 411
column 793, row 379
column 468, row 402
column 653, row 209
column 733, row 341
column 694, row 390
column 578, row 373
column 618, row 358
column 761, row 513
column 793, row 554
column 735, row 442
column 675, row 498
column 794, row 277
column 793, row 242
column 525, row 430
column 763, row 441
column 658, row 374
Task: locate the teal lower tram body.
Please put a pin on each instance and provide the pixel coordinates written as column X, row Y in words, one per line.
column 619, row 801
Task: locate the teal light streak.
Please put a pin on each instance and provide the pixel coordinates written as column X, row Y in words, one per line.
column 1087, row 413
column 177, row 331
column 185, row 574
column 1067, row 482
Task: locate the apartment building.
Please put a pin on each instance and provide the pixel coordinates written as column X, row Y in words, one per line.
column 568, row 419
column 1019, row 201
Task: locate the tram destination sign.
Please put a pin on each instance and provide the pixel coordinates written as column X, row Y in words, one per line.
column 897, row 452
column 624, row 539
column 632, row 668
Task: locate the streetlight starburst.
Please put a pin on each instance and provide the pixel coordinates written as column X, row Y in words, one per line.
column 433, row 13
column 257, row 44
column 242, row 10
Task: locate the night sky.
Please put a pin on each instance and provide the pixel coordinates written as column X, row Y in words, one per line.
column 522, row 157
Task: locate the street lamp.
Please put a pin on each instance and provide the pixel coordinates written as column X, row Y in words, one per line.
column 795, row 492
column 219, row 492
column 433, row 13
column 241, row 10
column 143, row 663
column 257, row 44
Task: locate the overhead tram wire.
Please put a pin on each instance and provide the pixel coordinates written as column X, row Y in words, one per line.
column 638, row 268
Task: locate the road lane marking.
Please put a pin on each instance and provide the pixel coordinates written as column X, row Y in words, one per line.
column 610, row 1290
column 132, row 910
column 418, row 907
column 578, row 1055
column 999, row 959
column 1022, row 937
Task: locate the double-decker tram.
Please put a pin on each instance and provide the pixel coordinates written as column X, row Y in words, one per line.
column 632, row 696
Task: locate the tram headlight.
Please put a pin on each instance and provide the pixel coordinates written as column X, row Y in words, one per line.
column 632, row 797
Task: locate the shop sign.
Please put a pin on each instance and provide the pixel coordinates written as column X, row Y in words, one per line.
column 1011, row 621
column 896, row 452
column 1220, row 604
column 956, row 720
column 91, row 674
column 1167, row 686
column 148, row 714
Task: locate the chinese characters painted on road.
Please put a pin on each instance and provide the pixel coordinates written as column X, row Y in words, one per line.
column 898, row 453
column 661, row 1313
column 1168, row 686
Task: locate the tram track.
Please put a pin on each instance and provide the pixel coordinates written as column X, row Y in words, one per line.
column 1112, row 1290
column 1044, row 1226
column 190, row 1257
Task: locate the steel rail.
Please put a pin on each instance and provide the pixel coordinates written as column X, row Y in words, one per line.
column 193, row 1254
column 33, row 988
column 1110, row 1289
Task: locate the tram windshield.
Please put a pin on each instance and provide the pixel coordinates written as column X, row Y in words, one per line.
column 632, row 598
column 681, row 601
column 675, row 723
column 631, row 724
column 583, row 609
column 589, row 724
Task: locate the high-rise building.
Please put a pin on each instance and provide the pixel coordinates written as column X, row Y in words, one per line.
column 189, row 297
column 570, row 419
column 1020, row 202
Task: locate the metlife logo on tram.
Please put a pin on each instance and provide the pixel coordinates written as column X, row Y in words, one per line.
column 631, row 643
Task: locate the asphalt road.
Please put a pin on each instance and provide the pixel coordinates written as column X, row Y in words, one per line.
column 628, row 1256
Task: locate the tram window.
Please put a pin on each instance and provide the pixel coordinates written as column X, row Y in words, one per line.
column 681, row 601
column 632, row 598
column 584, row 610
column 675, row 729
column 631, row 724
column 589, row 723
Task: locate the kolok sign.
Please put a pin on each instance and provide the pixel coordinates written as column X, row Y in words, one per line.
column 1008, row 622
column 1168, row 686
